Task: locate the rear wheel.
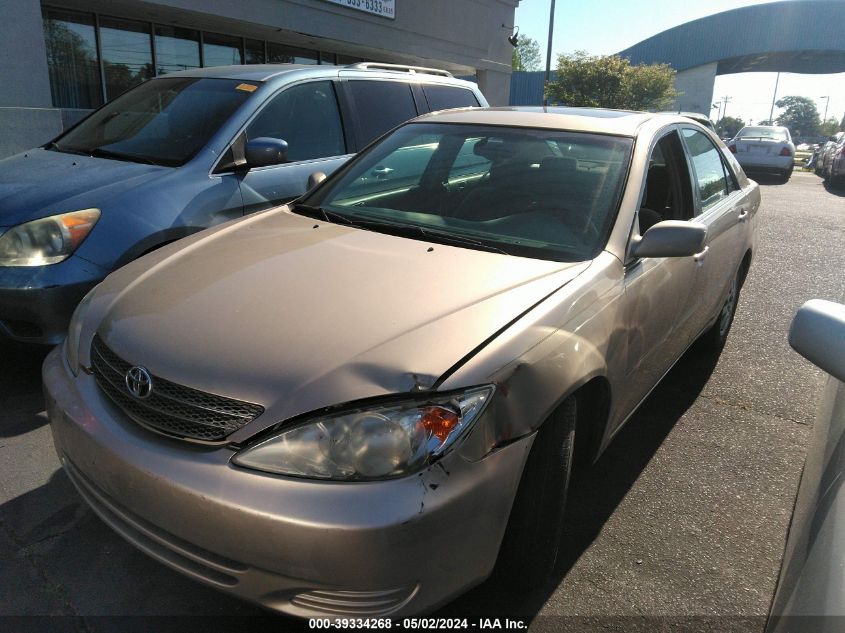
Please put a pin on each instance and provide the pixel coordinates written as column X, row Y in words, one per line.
column 532, row 538
column 716, row 337
column 785, row 175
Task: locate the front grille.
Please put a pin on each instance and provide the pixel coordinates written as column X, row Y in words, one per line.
column 172, row 409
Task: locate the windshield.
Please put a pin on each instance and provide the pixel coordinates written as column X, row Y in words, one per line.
column 163, row 121
column 764, row 133
column 536, row 193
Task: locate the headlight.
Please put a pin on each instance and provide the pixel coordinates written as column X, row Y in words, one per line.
column 48, row 240
column 75, row 331
column 375, row 442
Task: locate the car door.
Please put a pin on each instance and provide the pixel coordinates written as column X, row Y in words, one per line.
column 658, row 303
column 308, row 118
column 724, row 209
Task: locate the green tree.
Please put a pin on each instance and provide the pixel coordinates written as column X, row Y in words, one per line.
column 526, row 56
column 800, row 116
column 829, row 127
column 611, row 81
column 729, row 126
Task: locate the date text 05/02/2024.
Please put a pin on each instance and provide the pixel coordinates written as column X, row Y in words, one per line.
column 435, row 624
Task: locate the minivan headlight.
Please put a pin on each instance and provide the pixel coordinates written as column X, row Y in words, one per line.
column 75, row 332
column 373, row 442
column 47, row 240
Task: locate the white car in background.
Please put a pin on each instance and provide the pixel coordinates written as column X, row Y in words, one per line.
column 764, row 148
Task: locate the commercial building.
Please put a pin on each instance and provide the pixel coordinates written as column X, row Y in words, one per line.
column 62, row 58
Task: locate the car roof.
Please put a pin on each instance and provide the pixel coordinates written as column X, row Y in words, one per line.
column 598, row 120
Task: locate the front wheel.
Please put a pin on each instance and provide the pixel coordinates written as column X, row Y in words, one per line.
column 532, row 537
column 716, row 337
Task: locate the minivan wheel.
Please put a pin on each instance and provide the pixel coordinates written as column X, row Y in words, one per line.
column 532, row 537
column 716, row 337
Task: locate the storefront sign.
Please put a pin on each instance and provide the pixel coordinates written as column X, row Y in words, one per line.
column 383, row 8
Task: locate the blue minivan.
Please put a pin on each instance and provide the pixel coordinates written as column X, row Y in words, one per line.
column 180, row 153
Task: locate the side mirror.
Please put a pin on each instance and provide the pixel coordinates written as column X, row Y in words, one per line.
column 265, row 151
column 315, row 179
column 671, row 238
column 818, row 334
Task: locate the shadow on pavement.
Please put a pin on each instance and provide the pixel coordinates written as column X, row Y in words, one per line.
column 594, row 495
column 840, row 191
column 21, row 401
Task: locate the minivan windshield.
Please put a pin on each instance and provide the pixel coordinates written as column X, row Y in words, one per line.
column 539, row 193
column 163, row 121
column 763, row 134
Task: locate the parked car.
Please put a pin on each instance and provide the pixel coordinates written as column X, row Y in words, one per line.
column 811, row 585
column 360, row 402
column 764, row 148
column 823, row 157
column 700, row 118
column 178, row 154
column 832, row 167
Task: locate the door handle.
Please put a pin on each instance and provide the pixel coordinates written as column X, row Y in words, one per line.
column 743, row 215
column 700, row 257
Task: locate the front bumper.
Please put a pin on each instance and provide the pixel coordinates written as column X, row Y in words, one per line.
column 306, row 548
column 36, row 303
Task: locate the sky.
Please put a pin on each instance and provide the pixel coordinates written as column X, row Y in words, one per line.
column 603, row 27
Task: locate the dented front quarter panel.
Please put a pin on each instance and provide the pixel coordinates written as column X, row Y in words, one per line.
column 577, row 334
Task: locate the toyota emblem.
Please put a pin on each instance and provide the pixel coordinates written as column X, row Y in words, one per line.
column 139, row 382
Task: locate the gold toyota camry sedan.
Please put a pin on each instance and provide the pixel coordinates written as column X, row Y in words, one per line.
column 361, row 402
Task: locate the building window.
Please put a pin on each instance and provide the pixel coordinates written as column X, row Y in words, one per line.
column 253, row 51
column 221, row 50
column 94, row 58
column 176, row 49
column 126, row 47
column 281, row 54
column 72, row 59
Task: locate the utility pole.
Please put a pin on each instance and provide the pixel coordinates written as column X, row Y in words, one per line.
column 725, row 101
column 826, row 103
column 774, row 98
column 549, row 48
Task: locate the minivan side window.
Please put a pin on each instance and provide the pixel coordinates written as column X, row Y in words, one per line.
column 307, row 117
column 380, row 106
column 445, row 97
column 707, row 164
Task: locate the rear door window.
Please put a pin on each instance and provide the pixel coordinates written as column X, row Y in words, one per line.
column 380, row 106
column 445, row 97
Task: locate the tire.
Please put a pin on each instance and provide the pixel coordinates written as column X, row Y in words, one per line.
column 532, row 538
column 715, row 338
column 785, row 176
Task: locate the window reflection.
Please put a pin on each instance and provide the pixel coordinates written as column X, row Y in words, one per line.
column 281, row 54
column 72, row 59
column 176, row 49
column 254, row 52
column 127, row 54
column 221, row 50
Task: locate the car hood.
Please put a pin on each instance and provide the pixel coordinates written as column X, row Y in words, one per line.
column 296, row 315
column 39, row 183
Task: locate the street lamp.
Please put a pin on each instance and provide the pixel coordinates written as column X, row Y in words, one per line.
column 826, row 103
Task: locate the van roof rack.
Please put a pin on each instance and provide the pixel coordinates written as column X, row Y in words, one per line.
column 401, row 68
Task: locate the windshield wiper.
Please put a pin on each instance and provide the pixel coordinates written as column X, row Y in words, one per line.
column 441, row 237
column 321, row 213
column 394, row 228
column 52, row 145
column 98, row 152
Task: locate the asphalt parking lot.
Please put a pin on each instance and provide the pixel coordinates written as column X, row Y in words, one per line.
column 681, row 522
